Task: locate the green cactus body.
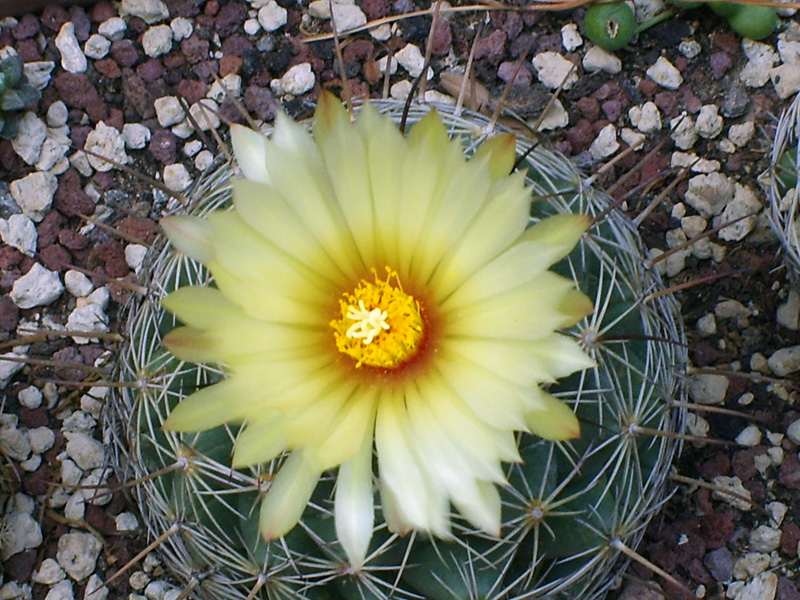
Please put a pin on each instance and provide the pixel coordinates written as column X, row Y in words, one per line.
column 566, row 509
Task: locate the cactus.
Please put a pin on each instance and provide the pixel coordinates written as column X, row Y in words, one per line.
column 571, row 511
column 783, row 184
column 15, row 94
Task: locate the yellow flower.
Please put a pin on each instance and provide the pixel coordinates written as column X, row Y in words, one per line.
column 378, row 290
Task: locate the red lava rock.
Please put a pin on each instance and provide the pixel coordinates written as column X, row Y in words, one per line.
column 581, row 135
column 664, row 556
column 139, row 227
column 192, row 90
column 717, row 529
column 236, row 45
column 375, row 9
column 260, row 102
column 10, row 160
column 124, row 53
column 206, row 70
column 719, row 464
column 97, row 517
column 492, row 47
column 720, row 62
column 727, row 41
column 612, row 109
column 36, row 483
column 230, row 18
column 48, row 228
column 667, row 102
column 692, row 103
column 102, row 11
column 743, row 465
column 513, row 25
column 115, row 119
column 72, row 240
column 787, row 589
column 9, row 257
column 358, row 50
column 790, row 535
column 138, row 98
column 28, row 50
column 163, row 146
column 20, row 566
column 212, row 7
column 77, row 91
column 33, row 418
column 589, row 107
column 70, row 199
column 81, row 21
column 194, row 49
column 506, row 71
column 108, row 67
column 55, row 257
column 27, row 27
column 699, row 573
column 648, row 87
column 229, row 64
column 54, row 16
column 150, row 70
column 9, row 314
column 112, row 256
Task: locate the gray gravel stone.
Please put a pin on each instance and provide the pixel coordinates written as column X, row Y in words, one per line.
column 765, row 539
column 788, row 313
column 709, row 194
column 21, row 532
column 49, row 572
column 72, row 57
column 77, row 554
column 61, row 591
column 150, row 11
column 107, row 142
column 41, row 439
column 719, row 563
column 34, row 193
column 19, row 232
column 85, row 451
column 708, row 389
column 785, row 361
column 793, row 432
column 762, row 587
column 29, row 140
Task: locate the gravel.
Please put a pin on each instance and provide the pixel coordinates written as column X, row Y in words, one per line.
column 119, row 80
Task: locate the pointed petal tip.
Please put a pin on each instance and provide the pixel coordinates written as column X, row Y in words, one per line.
column 190, row 235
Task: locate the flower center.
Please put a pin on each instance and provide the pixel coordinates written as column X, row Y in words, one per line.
column 381, row 325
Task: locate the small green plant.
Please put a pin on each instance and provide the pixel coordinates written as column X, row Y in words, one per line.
column 15, row 94
column 570, row 511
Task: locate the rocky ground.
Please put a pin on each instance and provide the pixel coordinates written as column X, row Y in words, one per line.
column 136, row 82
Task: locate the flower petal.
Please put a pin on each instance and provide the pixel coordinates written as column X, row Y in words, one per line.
column 198, row 306
column 250, row 147
column 558, row 232
column 354, row 511
column 555, row 421
column 288, row 496
column 207, row 408
column 259, row 442
column 192, row 345
column 190, row 235
column 502, row 152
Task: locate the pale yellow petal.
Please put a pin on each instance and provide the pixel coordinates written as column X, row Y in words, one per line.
column 421, row 503
column 249, row 148
column 288, row 496
column 353, row 508
column 329, row 115
column 199, row 306
column 558, row 233
column 355, row 419
column 502, row 152
column 575, row 305
column 192, row 345
column 209, row 407
column 555, row 421
column 190, row 235
column 260, row 441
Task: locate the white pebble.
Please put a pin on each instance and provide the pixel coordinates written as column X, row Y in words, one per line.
column 411, row 59
column 48, row 573
column 605, row 144
column 793, row 432
column 30, row 397
column 182, row 28
column 272, row 16
column 192, row 147
column 778, row 511
column 251, row 26
column 150, row 11
column 742, row 133
column 72, row 57
column 230, row 85
column 100, row 297
column 645, row 118
column 14, row 443
column 552, row 69
column 70, row 473
column 597, row 59
column 709, row 194
column 707, row 388
column 88, row 318
column 634, row 139
column 134, row 256
column 750, row 565
column 105, row 141
column 570, row 37
column 157, row 40
column 30, row 137
column 139, row 580
column 684, row 132
column 785, row 361
column 38, row 73
column 765, row 538
column 205, row 113
column 95, row 590
column 168, row 110
column 20, row 532
column 97, row 46
column 689, row 48
column 19, row 232
column 34, row 194
column 135, row 135
column 41, row 439
column 734, row 486
column 38, row 287
column 348, row 16
column 86, row 451
column 707, row 325
column 785, row 80
column 113, row 28
column 763, row 587
column 77, row 554
column 665, row 74
column 126, row 522
column 9, row 368
column 749, row 436
column 57, row 114
column 709, row 123
column 203, row 160
column 78, row 284
column 745, row 206
column 761, row 58
column 176, row 177
column 75, row 508
column 297, row 80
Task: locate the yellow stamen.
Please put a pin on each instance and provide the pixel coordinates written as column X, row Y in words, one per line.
column 381, row 325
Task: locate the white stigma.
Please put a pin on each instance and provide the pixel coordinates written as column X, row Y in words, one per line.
column 369, row 323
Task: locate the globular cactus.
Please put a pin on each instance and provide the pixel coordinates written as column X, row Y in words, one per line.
column 15, row 94
column 783, row 184
column 571, row 511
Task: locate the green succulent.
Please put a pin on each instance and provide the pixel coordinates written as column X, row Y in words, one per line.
column 15, row 94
